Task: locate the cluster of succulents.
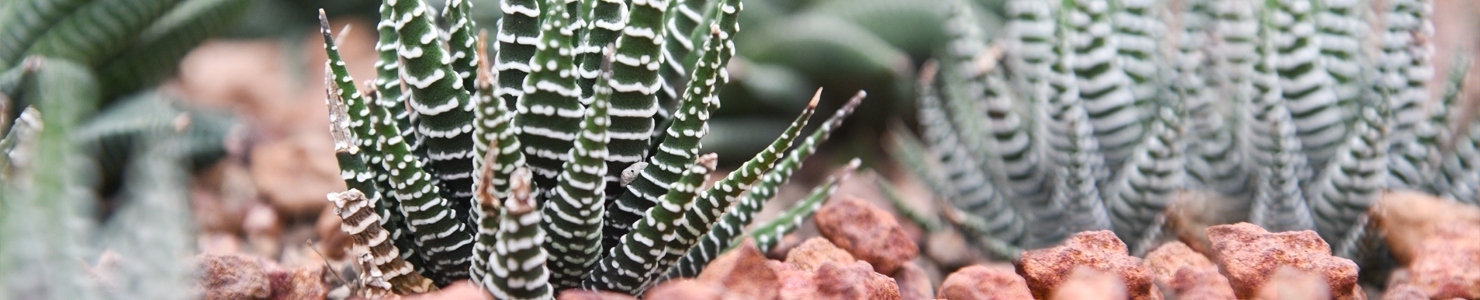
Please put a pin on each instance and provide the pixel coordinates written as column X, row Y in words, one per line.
column 566, row 156
column 92, row 165
column 1097, row 115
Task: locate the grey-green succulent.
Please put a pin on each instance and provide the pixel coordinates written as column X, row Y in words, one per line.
column 1297, row 112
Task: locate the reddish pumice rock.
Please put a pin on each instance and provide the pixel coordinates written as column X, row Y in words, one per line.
column 1200, row 284
column 1288, row 283
column 580, row 294
column 1447, row 265
column 1438, row 240
column 795, row 284
column 1165, row 261
column 913, row 282
column 856, row 280
column 1045, row 269
column 685, row 290
column 984, row 283
column 234, row 276
column 1250, row 255
column 869, row 233
column 1085, row 283
column 815, row 251
column 744, row 272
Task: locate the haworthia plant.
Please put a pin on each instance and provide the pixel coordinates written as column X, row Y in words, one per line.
column 1289, row 110
column 768, row 235
column 562, row 104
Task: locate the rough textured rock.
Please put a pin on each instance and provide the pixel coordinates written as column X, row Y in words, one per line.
column 686, row 290
column 856, row 280
column 1250, row 255
column 1170, row 257
column 869, row 233
column 1288, row 283
column 299, row 283
column 1085, row 283
column 1409, row 218
column 1404, row 292
column 1445, row 265
column 1201, row 284
column 984, row 283
column 1439, row 240
column 784, row 247
column 1044, row 269
column 815, row 251
column 579, row 294
column 466, row 290
column 234, row 277
column 914, row 283
column 744, row 272
column 795, row 284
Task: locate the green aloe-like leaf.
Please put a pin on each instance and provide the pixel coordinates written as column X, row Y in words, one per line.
column 574, row 213
column 440, row 105
column 158, row 50
column 929, row 222
column 1303, row 81
column 462, row 41
column 99, row 30
column 517, row 38
column 24, row 21
column 1090, row 55
column 493, row 122
column 444, row 243
column 1357, row 176
column 970, row 188
column 1151, row 178
column 739, row 215
column 603, row 21
column 769, row 234
column 549, row 111
column 638, row 253
column 516, row 266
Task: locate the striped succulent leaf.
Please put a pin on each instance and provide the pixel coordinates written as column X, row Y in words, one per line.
column 365, row 228
column 360, row 145
column 689, row 124
column 159, row 49
column 516, row 266
column 549, row 111
column 721, row 236
column 970, row 188
column 573, row 214
column 966, row 71
column 1076, row 190
column 1235, row 52
column 1213, row 161
column 518, row 38
column 681, row 28
column 388, row 83
column 22, row 22
column 462, row 41
column 98, row 30
column 909, row 152
column 1279, row 200
column 768, row 235
column 712, row 203
column 1356, row 178
column 604, row 20
column 1403, row 65
column 1030, row 39
column 1436, row 133
column 359, row 176
column 1137, row 32
column 1152, row 177
column 926, row 221
column 18, row 147
column 977, row 232
column 435, row 228
column 1461, row 169
column 640, row 252
column 444, row 118
column 493, row 122
column 1100, row 77
column 1303, row 81
column 1342, row 32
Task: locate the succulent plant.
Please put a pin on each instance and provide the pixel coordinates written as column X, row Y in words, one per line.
column 1090, row 114
column 550, row 161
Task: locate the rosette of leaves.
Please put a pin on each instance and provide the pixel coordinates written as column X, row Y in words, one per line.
column 548, row 162
column 1297, row 114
